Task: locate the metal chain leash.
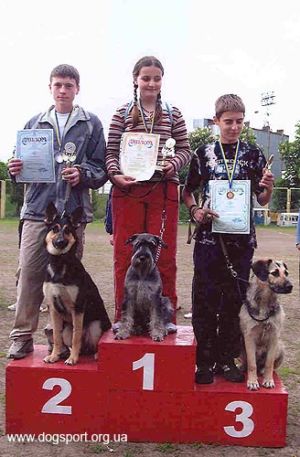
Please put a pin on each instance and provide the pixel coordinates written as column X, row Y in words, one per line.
column 161, row 233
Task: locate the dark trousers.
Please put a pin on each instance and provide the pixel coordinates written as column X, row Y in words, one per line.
column 217, row 299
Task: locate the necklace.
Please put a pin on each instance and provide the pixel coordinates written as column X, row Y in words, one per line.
column 151, row 117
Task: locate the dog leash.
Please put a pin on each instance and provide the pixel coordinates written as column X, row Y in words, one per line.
column 229, row 266
column 163, row 224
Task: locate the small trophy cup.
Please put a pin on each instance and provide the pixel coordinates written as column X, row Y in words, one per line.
column 69, row 154
column 168, row 151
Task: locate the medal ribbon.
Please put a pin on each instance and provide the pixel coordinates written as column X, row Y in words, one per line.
column 144, row 120
column 57, row 131
column 230, row 174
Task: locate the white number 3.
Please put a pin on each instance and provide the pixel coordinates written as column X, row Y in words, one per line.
column 243, row 417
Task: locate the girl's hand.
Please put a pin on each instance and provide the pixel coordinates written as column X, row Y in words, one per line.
column 123, row 181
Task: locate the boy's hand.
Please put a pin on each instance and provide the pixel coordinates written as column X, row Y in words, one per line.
column 204, row 215
column 72, row 175
column 267, row 180
column 15, row 166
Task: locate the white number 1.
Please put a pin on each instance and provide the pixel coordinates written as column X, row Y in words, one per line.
column 146, row 362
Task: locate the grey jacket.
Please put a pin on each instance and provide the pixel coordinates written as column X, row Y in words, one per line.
column 84, row 130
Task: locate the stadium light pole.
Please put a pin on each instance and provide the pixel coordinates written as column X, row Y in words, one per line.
column 267, row 99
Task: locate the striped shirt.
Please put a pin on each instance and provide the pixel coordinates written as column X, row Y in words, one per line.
column 166, row 128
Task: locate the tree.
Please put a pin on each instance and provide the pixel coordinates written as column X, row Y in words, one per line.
column 3, row 171
column 290, row 154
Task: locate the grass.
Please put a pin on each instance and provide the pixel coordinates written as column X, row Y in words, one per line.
column 167, row 448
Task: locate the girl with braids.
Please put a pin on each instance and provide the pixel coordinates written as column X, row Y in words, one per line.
column 146, row 206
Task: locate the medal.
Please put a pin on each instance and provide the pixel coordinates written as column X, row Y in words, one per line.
column 59, row 158
column 230, row 195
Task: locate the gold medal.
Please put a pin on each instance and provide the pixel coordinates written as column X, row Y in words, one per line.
column 230, row 195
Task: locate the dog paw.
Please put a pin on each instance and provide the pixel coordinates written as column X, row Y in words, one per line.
column 157, row 337
column 268, row 383
column 121, row 336
column 71, row 361
column 51, row 358
column 253, row 384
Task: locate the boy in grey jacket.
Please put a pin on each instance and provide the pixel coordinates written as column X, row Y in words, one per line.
column 83, row 132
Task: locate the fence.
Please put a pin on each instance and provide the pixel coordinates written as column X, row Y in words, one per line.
column 284, row 200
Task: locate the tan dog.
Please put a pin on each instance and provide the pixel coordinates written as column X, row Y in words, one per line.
column 261, row 319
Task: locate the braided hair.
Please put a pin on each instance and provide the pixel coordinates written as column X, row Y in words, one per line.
column 147, row 61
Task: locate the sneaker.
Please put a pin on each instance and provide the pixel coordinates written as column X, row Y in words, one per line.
column 204, row 375
column 231, row 372
column 12, row 307
column 188, row 315
column 171, row 328
column 20, row 349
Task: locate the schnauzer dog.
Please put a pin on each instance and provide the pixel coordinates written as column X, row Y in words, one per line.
column 144, row 308
column 261, row 319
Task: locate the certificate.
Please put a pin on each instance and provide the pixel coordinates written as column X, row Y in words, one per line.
column 35, row 149
column 232, row 205
column 138, row 155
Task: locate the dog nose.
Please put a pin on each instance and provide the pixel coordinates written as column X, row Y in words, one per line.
column 289, row 287
column 60, row 243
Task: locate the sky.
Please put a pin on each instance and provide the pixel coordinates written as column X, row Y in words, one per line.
column 207, row 48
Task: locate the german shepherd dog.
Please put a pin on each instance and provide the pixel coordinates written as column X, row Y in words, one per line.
column 261, row 320
column 144, row 308
column 76, row 309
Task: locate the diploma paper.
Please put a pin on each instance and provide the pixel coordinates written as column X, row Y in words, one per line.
column 138, row 155
column 234, row 212
column 35, row 149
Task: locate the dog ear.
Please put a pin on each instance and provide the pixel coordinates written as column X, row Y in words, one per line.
column 261, row 269
column 51, row 213
column 76, row 216
column 131, row 239
column 159, row 241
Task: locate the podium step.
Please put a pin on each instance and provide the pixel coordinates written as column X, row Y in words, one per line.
column 143, row 389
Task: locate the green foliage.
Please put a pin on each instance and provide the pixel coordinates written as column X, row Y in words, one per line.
column 99, row 205
column 200, row 137
column 3, row 171
column 247, row 135
column 290, row 154
column 17, row 196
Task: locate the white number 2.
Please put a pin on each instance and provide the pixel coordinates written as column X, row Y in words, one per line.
column 146, row 362
column 243, row 417
column 52, row 406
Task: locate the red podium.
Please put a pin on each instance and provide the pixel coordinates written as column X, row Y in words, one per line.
column 144, row 389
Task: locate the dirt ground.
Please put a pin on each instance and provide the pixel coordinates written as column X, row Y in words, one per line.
column 273, row 242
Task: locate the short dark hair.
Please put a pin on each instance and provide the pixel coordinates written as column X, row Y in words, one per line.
column 65, row 71
column 229, row 102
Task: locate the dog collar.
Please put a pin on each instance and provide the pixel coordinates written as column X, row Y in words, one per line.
column 252, row 311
